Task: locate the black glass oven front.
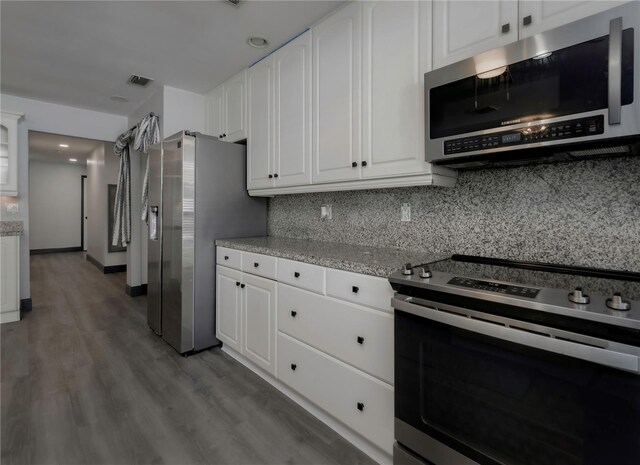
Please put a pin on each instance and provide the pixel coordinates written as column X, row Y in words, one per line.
column 500, row 402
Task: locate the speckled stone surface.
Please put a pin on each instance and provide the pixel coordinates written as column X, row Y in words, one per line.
column 579, row 213
column 375, row 261
column 11, row 228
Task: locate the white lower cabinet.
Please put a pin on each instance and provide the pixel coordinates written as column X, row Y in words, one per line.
column 259, row 321
column 326, row 344
column 9, row 279
column 228, row 307
column 359, row 401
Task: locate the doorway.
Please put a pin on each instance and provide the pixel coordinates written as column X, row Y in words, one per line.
column 83, row 213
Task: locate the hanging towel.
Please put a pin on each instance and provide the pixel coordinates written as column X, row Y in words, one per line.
column 122, row 208
column 147, row 135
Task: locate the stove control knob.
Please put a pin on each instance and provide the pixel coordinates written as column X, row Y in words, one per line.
column 577, row 297
column 407, row 269
column 616, row 302
column 425, row 272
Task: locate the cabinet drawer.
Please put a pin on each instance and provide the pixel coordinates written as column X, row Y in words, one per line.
column 302, row 275
column 359, row 288
column 362, row 403
column 356, row 335
column 261, row 265
column 229, row 257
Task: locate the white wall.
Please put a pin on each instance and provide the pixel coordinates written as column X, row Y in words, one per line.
column 55, row 205
column 182, row 110
column 57, row 119
column 102, row 170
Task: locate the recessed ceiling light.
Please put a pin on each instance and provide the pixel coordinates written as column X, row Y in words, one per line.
column 257, row 42
column 119, row 98
column 64, row 146
column 73, row 160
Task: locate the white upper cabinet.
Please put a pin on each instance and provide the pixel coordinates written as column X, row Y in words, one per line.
column 260, row 162
column 9, row 153
column 215, row 112
column 541, row 15
column 292, row 123
column 396, row 54
column 337, row 47
column 226, row 109
column 462, row 29
column 235, row 108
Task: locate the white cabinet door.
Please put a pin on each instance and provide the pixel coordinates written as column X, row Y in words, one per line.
column 260, row 169
column 9, row 153
column 337, row 44
column 462, row 29
column 292, row 124
column 215, row 112
column 259, row 321
column 9, row 279
column 235, row 108
column 228, row 307
column 396, row 54
column 541, row 15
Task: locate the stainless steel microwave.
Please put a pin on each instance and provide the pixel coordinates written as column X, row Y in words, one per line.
column 567, row 93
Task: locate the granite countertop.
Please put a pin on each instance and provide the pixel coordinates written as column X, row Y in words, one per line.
column 375, row 261
column 11, row 228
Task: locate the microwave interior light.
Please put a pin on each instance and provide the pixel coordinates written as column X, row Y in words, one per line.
column 492, row 73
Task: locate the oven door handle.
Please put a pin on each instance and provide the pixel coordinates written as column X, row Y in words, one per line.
column 615, row 71
column 607, row 357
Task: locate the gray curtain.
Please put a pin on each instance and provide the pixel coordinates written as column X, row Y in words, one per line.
column 122, row 208
column 148, row 134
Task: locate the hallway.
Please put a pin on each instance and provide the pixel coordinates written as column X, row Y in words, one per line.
column 84, row 381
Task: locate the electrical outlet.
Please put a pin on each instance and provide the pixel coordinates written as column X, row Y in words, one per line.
column 326, row 212
column 405, row 212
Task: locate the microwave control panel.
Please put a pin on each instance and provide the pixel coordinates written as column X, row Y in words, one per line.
column 529, row 135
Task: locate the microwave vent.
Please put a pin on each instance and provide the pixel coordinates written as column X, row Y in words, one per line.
column 621, row 149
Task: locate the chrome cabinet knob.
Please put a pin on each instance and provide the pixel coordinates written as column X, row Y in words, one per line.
column 577, row 297
column 407, row 269
column 616, row 302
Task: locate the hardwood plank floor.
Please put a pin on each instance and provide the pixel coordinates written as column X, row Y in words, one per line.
column 85, row 381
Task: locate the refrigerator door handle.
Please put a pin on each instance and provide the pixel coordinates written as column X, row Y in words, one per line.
column 153, row 223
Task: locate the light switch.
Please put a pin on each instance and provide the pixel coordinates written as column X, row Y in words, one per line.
column 12, row 208
column 325, row 212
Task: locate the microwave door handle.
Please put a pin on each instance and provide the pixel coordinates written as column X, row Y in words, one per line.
column 601, row 356
column 615, row 71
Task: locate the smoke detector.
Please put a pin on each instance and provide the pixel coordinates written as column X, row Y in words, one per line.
column 137, row 80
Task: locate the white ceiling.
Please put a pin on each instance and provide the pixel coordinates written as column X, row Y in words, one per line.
column 44, row 146
column 79, row 53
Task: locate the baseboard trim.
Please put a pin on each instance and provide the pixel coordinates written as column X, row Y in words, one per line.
column 58, row 250
column 26, row 305
column 136, row 291
column 106, row 269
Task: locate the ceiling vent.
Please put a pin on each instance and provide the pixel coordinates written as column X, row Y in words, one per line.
column 136, row 80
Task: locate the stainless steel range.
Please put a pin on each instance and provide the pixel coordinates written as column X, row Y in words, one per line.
column 502, row 362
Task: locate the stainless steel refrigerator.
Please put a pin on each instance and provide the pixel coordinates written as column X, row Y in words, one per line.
column 197, row 194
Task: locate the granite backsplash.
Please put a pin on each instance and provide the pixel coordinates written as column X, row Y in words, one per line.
column 581, row 213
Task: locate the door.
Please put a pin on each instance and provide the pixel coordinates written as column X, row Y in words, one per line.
column 235, row 108
column 259, row 321
column 462, row 29
column 260, row 167
column 396, row 53
column 228, row 307
column 214, row 115
column 541, row 15
column 337, row 43
column 83, row 213
column 292, row 123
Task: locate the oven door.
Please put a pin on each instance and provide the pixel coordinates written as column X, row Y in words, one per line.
column 466, row 397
